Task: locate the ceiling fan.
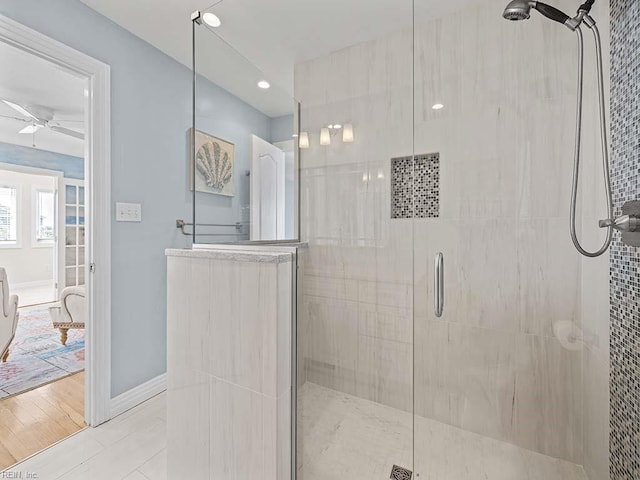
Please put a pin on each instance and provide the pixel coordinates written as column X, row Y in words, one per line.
column 37, row 118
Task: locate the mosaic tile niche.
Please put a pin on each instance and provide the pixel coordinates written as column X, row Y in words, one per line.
column 625, row 261
column 415, row 186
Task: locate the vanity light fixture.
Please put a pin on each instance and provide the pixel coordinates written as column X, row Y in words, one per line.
column 325, row 136
column 438, row 106
column 303, row 140
column 263, row 84
column 347, row 133
column 211, row 19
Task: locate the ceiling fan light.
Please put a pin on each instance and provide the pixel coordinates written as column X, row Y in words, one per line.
column 31, row 129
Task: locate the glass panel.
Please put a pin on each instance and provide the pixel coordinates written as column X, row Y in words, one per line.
column 498, row 381
column 355, row 330
column 81, row 274
column 246, row 174
column 81, row 255
column 45, row 219
column 8, row 215
column 71, row 215
column 71, row 195
column 71, row 236
column 70, row 276
column 70, row 256
column 81, row 195
column 81, row 215
column 81, row 235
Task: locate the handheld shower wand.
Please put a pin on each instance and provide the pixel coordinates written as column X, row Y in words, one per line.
column 520, row 10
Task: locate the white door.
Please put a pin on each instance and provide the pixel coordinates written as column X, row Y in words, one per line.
column 267, row 191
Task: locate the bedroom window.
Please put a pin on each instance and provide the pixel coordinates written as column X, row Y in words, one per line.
column 8, row 215
column 45, row 216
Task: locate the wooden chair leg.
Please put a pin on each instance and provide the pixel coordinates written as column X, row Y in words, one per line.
column 5, row 356
column 63, row 335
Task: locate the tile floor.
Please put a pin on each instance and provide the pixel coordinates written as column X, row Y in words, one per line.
column 129, row 447
column 348, row 437
column 341, row 437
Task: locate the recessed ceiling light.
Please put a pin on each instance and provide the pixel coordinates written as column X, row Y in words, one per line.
column 337, row 126
column 211, row 19
column 438, row 106
column 264, row 84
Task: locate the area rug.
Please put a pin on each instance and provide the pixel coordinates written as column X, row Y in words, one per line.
column 36, row 355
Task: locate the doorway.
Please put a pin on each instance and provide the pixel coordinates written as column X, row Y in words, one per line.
column 82, row 218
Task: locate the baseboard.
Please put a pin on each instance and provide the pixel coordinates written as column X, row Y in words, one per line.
column 137, row 395
column 39, row 283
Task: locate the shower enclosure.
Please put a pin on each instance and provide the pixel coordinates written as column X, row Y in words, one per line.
column 446, row 327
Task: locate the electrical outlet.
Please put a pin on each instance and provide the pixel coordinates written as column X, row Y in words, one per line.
column 128, row 212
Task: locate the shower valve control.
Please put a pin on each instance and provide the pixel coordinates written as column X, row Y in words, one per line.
column 628, row 223
column 624, row 223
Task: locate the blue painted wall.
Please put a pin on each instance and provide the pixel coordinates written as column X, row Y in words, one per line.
column 281, row 129
column 73, row 167
column 151, row 113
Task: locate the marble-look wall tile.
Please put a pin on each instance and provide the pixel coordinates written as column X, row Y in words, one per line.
column 596, row 416
column 237, row 433
column 188, row 402
column 381, row 321
column 385, row 372
column 332, row 343
column 465, row 376
column 229, row 367
column 237, row 350
column 481, row 271
column 547, row 403
column 191, row 305
column 549, row 284
column 280, row 332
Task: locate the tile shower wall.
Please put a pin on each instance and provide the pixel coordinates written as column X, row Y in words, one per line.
column 358, row 271
column 625, row 261
column 492, row 364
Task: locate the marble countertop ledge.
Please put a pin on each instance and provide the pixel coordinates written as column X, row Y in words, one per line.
column 258, row 256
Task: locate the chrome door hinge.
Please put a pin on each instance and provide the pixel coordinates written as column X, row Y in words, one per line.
column 92, row 267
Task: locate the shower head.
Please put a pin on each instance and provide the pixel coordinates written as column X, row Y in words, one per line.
column 521, row 10
column 518, row 10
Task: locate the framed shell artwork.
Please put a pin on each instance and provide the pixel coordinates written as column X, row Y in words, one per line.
column 214, row 164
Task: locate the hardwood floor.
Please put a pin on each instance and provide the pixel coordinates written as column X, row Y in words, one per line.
column 34, row 420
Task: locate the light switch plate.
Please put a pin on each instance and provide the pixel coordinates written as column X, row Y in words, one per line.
column 128, row 212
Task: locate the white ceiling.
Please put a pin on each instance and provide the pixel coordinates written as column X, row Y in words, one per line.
column 274, row 35
column 31, row 81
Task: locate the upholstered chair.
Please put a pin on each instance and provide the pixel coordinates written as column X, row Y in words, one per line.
column 70, row 312
column 8, row 315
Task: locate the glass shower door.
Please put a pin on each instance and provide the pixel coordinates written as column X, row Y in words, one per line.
column 498, row 376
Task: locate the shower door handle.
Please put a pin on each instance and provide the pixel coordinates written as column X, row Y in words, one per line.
column 438, row 285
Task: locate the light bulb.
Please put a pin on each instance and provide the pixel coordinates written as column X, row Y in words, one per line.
column 347, row 133
column 325, row 137
column 303, row 140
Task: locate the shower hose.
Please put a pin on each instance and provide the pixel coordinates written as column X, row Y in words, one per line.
column 603, row 132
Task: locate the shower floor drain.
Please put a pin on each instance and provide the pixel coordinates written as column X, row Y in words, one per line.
column 399, row 473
